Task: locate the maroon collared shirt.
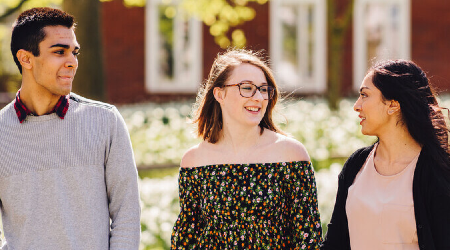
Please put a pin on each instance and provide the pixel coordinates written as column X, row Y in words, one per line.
column 22, row 111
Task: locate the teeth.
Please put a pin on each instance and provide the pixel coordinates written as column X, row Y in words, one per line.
column 252, row 109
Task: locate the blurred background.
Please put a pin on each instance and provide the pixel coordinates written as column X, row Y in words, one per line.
column 150, row 57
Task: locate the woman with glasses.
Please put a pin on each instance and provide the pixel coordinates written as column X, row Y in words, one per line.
column 395, row 194
column 246, row 185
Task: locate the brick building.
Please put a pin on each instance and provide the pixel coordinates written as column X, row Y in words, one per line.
column 144, row 62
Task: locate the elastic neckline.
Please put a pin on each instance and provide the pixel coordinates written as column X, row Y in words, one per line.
column 267, row 164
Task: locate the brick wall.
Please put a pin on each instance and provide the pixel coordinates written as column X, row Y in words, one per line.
column 430, row 40
column 124, row 51
column 124, row 47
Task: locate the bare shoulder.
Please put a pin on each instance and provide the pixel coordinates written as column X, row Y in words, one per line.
column 193, row 156
column 291, row 149
column 189, row 158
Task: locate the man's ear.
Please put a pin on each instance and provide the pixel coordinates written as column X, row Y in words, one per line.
column 394, row 107
column 219, row 94
column 24, row 58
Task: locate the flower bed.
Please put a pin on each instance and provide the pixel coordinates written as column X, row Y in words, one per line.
column 162, row 133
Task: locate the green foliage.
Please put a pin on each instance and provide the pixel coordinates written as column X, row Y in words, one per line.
column 220, row 15
column 42, row 3
column 9, row 75
column 7, row 5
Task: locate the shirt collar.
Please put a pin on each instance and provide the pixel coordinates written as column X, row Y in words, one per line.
column 22, row 111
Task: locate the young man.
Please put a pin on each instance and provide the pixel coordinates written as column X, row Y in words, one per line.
column 68, row 179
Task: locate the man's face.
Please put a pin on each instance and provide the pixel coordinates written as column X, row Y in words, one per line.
column 55, row 67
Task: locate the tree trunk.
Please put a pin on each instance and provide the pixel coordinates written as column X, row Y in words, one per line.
column 336, row 30
column 88, row 81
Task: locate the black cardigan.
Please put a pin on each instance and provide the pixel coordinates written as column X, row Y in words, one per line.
column 431, row 205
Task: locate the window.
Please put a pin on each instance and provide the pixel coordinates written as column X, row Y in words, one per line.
column 173, row 48
column 381, row 31
column 298, row 44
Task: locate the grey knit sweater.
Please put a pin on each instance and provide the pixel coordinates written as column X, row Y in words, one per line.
column 68, row 183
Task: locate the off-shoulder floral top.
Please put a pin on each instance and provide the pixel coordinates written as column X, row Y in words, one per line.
column 248, row 206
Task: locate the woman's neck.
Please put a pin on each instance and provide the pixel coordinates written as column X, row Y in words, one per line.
column 238, row 139
column 395, row 151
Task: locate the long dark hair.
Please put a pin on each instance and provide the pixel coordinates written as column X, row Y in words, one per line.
column 407, row 83
column 208, row 114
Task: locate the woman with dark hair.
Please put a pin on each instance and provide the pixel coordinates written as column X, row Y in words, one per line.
column 395, row 193
column 246, row 185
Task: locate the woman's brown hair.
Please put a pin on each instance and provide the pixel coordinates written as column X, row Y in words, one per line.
column 208, row 114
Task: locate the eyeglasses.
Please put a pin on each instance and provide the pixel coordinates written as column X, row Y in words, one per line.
column 247, row 90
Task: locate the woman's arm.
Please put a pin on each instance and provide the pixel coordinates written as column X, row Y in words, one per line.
column 189, row 224
column 302, row 209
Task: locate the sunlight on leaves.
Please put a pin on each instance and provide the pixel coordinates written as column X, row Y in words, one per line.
column 41, row 3
column 239, row 39
column 170, row 12
column 134, row 3
column 241, row 2
column 221, row 15
column 222, row 41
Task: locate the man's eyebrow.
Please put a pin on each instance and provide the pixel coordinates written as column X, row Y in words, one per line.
column 65, row 46
column 60, row 45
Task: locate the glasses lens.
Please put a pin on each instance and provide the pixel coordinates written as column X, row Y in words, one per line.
column 247, row 89
column 266, row 92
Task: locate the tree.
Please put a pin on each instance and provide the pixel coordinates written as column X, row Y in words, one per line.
column 89, row 79
column 11, row 9
column 338, row 23
column 219, row 15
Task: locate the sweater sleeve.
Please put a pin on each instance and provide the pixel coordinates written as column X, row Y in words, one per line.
column 302, row 208
column 122, row 188
column 1, row 231
column 440, row 220
column 189, row 225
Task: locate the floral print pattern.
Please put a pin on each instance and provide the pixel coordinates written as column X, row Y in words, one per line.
column 248, row 206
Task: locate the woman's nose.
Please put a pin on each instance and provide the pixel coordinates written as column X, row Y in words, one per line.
column 357, row 105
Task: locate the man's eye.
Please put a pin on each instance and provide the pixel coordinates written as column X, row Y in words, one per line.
column 60, row 52
column 76, row 53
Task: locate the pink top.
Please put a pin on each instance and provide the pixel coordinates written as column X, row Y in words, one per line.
column 380, row 209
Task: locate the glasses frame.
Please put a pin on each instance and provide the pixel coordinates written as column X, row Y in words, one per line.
column 270, row 94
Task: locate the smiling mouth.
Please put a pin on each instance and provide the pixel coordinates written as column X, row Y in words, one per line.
column 253, row 109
